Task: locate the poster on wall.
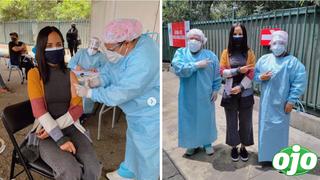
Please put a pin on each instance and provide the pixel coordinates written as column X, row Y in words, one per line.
column 177, row 33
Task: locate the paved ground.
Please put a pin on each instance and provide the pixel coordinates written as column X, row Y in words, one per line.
column 219, row 166
column 170, row 171
column 110, row 148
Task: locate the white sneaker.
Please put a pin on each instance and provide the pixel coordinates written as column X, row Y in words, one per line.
column 190, row 151
column 209, row 150
column 115, row 176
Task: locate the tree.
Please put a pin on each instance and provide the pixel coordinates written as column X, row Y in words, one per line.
column 68, row 11
column 215, row 10
column 40, row 10
column 185, row 10
column 14, row 9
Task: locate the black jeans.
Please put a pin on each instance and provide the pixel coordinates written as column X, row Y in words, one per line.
column 73, row 47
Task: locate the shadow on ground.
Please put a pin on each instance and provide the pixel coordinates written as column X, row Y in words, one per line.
column 221, row 159
column 222, row 162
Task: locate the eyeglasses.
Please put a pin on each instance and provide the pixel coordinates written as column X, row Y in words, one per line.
column 115, row 46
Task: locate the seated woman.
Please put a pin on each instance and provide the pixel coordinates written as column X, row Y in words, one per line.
column 63, row 143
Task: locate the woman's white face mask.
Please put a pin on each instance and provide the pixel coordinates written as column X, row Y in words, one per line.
column 112, row 56
column 91, row 51
column 278, row 48
column 194, row 45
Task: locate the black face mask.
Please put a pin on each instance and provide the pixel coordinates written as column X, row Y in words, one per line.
column 54, row 55
column 13, row 39
column 237, row 40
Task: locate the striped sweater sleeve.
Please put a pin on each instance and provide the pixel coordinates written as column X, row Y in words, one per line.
column 225, row 69
column 248, row 78
column 75, row 108
column 251, row 61
column 36, row 96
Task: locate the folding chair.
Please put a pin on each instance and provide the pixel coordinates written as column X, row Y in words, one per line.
column 16, row 67
column 102, row 111
column 15, row 118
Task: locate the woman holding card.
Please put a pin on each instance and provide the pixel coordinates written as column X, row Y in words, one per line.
column 236, row 66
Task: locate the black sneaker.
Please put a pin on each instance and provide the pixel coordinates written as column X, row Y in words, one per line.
column 234, row 154
column 244, row 154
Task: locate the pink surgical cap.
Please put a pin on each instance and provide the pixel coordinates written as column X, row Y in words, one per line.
column 120, row 30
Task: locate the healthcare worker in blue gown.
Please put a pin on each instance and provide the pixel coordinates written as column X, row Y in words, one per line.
column 200, row 81
column 88, row 59
column 283, row 80
column 130, row 80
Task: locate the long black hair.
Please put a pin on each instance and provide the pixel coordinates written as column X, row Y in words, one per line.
column 41, row 45
column 244, row 43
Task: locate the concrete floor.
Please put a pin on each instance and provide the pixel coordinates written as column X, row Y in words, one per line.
column 219, row 166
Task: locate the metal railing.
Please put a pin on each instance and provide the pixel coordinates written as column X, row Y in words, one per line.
column 28, row 30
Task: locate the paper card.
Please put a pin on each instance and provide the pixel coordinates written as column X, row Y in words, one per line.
column 228, row 86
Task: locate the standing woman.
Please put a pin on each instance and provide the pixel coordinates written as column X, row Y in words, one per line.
column 63, row 143
column 198, row 70
column 283, row 80
column 236, row 65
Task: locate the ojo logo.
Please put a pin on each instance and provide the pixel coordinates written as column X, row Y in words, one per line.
column 295, row 160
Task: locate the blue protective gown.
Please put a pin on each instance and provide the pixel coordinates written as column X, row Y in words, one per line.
column 287, row 84
column 87, row 62
column 130, row 84
column 197, row 124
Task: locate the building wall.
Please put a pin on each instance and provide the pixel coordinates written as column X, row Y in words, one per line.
column 105, row 11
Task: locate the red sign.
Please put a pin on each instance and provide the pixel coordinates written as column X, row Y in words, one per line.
column 177, row 33
column 265, row 36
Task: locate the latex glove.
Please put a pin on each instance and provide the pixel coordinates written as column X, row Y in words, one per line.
column 214, row 96
column 288, row 108
column 266, row 76
column 236, row 90
column 82, row 91
column 245, row 69
column 94, row 82
column 203, row 63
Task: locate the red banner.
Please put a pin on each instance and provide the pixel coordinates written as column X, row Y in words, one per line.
column 265, row 36
column 177, row 33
